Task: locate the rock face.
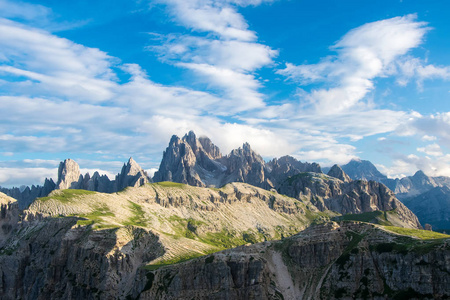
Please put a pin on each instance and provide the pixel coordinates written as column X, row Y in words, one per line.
column 131, row 175
column 69, row 176
column 62, row 261
column 337, row 172
column 432, row 207
column 27, row 195
column 9, row 217
column 425, row 196
column 245, row 165
column 364, row 170
column 198, row 162
column 287, row 166
column 187, row 161
column 329, row 193
column 323, row 262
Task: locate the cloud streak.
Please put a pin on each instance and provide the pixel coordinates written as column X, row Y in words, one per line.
column 363, row 54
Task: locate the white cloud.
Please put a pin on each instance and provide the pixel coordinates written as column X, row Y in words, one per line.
column 240, row 88
column 428, row 138
column 226, row 58
column 17, row 177
column 407, row 165
column 214, row 16
column 432, row 150
column 363, row 54
column 22, row 10
column 53, row 65
column 417, row 69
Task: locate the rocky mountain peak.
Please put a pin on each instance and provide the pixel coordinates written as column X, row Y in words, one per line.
column 337, row 172
column 131, row 175
column 363, row 169
column 212, row 150
column 422, row 177
column 68, row 174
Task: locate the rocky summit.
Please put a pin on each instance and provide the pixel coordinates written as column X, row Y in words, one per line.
column 197, row 161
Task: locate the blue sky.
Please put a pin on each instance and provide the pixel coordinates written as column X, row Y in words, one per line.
column 324, row 81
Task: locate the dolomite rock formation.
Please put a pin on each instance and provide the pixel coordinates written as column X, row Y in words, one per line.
column 69, row 175
column 329, row 193
column 331, row 261
column 337, row 172
column 198, row 162
column 245, row 165
column 286, row 166
column 131, row 175
column 28, row 194
column 9, row 217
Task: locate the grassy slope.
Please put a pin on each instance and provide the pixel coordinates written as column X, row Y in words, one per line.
column 196, row 227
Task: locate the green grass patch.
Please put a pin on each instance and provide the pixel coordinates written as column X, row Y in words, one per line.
column 172, row 261
column 223, row 240
column 421, row 234
column 185, row 227
column 170, row 184
column 375, row 217
column 85, row 222
column 96, row 217
column 351, row 248
column 65, row 196
column 138, row 218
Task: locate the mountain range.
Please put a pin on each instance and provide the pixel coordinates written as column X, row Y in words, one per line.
column 198, row 162
column 428, row 197
column 214, row 226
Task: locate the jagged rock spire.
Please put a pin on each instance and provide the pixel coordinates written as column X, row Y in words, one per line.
column 68, row 175
column 337, row 172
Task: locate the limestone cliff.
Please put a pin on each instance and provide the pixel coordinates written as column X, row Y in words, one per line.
column 198, row 162
column 359, row 196
column 331, row 261
column 78, row 244
column 131, row 175
column 9, row 217
column 69, row 175
column 337, row 172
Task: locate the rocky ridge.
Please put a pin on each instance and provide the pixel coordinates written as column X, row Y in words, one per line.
column 197, row 161
column 351, row 197
column 69, row 177
column 425, row 196
column 330, row 261
column 78, row 244
column 432, row 207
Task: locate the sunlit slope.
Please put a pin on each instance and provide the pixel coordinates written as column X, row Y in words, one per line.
column 189, row 220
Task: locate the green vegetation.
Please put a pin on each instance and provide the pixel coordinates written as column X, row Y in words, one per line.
column 375, row 217
column 138, row 218
column 65, row 196
column 223, row 240
column 174, row 260
column 185, row 227
column 170, row 184
column 421, row 234
column 96, row 217
column 351, row 248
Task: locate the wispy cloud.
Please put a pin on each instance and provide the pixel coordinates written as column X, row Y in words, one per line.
column 363, row 54
column 50, row 65
column 226, row 58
